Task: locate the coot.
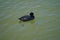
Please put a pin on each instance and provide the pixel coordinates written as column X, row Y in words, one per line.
column 27, row 17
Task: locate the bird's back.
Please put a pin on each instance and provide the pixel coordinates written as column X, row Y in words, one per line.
column 25, row 18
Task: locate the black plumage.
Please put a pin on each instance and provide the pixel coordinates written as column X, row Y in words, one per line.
column 27, row 17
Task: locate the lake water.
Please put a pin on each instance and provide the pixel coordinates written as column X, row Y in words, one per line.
column 45, row 26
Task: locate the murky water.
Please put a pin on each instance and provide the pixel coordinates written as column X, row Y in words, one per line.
column 46, row 25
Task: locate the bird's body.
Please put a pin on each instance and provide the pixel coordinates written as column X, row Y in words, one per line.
column 27, row 17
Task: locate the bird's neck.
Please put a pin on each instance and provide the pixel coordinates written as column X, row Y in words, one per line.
column 32, row 16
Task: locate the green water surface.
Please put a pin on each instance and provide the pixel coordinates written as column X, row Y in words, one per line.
column 45, row 26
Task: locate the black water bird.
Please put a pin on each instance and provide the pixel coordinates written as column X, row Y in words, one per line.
column 27, row 17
